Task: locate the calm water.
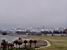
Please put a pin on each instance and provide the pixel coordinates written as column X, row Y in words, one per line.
column 12, row 38
column 7, row 37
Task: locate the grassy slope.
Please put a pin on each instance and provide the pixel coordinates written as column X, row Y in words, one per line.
column 57, row 43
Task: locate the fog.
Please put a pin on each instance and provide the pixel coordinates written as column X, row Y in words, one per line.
column 20, row 13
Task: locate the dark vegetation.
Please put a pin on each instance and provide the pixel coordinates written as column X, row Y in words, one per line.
column 11, row 46
column 20, row 44
column 62, row 33
column 44, row 32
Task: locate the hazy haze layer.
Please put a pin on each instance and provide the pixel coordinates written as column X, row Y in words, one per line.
column 33, row 12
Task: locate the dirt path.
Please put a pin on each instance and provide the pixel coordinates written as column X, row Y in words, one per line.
column 48, row 44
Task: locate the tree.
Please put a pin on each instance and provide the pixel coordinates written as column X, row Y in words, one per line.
column 52, row 34
column 4, row 33
column 16, row 43
column 25, row 42
column 10, row 45
column 19, row 42
column 31, row 41
column 4, row 44
column 35, row 41
column 65, row 31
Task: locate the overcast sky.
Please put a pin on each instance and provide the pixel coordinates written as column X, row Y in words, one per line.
column 33, row 12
